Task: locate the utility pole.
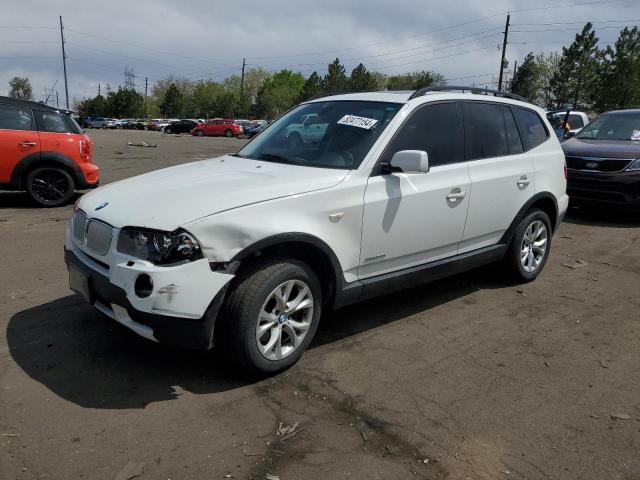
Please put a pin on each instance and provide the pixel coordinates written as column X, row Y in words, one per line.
column 146, row 85
column 242, row 77
column 64, row 63
column 504, row 50
column 98, row 89
column 57, row 100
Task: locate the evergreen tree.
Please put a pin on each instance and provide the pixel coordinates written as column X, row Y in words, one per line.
column 312, row 86
column 336, row 78
column 619, row 73
column 361, row 79
column 526, row 81
column 575, row 79
column 173, row 103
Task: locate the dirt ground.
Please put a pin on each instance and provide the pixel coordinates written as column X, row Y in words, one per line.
column 467, row 378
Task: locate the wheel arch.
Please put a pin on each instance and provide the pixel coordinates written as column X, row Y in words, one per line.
column 43, row 159
column 544, row 201
column 301, row 246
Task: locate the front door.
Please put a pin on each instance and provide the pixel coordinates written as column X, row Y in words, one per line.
column 416, row 218
column 18, row 138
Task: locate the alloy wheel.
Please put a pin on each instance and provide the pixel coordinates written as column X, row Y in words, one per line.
column 284, row 319
column 49, row 186
column 534, row 246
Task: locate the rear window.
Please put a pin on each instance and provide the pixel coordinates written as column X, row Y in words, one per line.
column 15, row 118
column 532, row 129
column 55, row 122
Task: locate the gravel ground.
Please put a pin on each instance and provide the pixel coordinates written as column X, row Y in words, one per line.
column 467, row 378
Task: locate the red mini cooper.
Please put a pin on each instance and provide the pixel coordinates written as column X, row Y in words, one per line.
column 44, row 152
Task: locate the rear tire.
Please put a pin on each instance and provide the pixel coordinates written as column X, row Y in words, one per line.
column 530, row 247
column 228, row 133
column 49, row 186
column 271, row 316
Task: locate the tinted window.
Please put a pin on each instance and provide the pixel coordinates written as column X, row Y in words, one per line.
column 432, row 128
column 56, row 122
column 15, row 118
column 575, row 121
column 513, row 137
column 484, row 131
column 531, row 127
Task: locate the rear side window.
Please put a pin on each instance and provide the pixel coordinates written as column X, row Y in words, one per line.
column 56, row 123
column 484, row 131
column 513, row 136
column 531, row 127
column 434, row 129
column 15, row 118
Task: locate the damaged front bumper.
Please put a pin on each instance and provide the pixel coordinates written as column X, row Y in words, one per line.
column 180, row 309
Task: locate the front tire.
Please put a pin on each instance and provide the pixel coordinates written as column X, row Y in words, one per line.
column 530, row 247
column 271, row 316
column 200, row 133
column 49, row 186
column 228, row 133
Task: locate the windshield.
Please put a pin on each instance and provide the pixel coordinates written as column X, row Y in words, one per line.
column 613, row 126
column 332, row 134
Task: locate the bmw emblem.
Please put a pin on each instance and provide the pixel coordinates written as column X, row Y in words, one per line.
column 101, row 206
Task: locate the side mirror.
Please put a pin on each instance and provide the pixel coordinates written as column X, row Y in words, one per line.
column 411, row 161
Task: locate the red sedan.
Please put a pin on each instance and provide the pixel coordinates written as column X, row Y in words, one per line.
column 218, row 127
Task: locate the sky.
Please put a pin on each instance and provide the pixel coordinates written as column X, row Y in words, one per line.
column 461, row 39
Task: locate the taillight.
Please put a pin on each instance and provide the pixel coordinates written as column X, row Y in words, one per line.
column 85, row 150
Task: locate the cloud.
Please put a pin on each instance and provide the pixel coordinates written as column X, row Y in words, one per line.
column 199, row 40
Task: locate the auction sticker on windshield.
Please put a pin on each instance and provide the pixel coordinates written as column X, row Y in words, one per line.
column 355, row 121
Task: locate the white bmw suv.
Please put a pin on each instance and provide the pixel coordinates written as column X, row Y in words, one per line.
column 246, row 251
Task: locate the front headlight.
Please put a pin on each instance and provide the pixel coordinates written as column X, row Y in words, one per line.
column 159, row 247
column 635, row 165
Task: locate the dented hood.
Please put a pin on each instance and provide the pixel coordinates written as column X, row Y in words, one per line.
column 169, row 198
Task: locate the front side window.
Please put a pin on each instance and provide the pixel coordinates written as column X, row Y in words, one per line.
column 532, row 129
column 15, row 118
column 55, row 122
column 485, row 132
column 330, row 134
column 432, row 128
column 613, row 126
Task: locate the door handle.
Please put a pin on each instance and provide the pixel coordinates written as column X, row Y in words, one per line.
column 27, row 144
column 524, row 181
column 456, row 194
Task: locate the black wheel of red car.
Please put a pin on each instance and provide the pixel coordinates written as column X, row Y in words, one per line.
column 228, row 133
column 200, row 133
column 49, row 186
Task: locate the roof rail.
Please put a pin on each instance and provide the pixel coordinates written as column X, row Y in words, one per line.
column 334, row 92
column 478, row 91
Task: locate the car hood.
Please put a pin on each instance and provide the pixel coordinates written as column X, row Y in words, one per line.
column 576, row 147
column 172, row 197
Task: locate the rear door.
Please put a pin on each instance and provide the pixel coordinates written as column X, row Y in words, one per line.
column 501, row 172
column 58, row 134
column 18, row 138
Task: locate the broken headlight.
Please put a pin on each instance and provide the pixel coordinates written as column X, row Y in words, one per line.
column 159, row 247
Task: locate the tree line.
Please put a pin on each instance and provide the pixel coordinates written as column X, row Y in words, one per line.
column 261, row 95
column 584, row 76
